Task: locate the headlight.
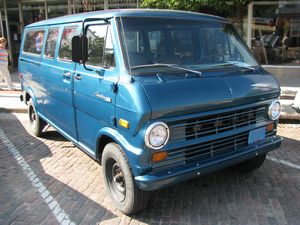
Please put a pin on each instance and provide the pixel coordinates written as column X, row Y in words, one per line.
column 274, row 110
column 157, row 135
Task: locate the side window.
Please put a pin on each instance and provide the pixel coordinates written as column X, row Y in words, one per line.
column 100, row 49
column 65, row 49
column 34, row 41
column 51, row 42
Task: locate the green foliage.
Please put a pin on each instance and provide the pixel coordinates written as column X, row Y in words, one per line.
column 96, row 45
column 191, row 5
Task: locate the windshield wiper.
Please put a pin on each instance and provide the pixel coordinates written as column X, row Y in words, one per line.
column 243, row 67
column 175, row 66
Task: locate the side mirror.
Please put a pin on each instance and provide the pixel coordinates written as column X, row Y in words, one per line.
column 79, row 49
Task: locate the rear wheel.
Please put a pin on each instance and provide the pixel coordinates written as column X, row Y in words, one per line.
column 36, row 123
column 251, row 164
column 123, row 191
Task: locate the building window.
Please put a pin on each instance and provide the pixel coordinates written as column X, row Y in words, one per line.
column 276, row 33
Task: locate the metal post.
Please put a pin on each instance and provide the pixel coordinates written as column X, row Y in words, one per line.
column 69, row 7
column 137, row 4
column 263, row 46
column 21, row 18
column 250, row 18
column 105, row 4
column 8, row 34
column 74, row 6
column 1, row 24
column 46, row 9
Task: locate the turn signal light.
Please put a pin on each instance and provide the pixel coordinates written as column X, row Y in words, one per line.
column 124, row 123
column 159, row 156
column 270, row 127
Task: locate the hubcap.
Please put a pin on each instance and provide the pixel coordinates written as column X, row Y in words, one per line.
column 32, row 117
column 118, row 185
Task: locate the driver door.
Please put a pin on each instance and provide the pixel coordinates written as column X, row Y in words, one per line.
column 94, row 97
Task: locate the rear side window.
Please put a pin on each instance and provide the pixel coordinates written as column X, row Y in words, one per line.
column 34, row 41
column 65, row 49
column 51, row 42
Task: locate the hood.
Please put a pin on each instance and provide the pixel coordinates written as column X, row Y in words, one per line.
column 191, row 95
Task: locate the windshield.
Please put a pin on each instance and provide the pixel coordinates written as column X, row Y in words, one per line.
column 194, row 44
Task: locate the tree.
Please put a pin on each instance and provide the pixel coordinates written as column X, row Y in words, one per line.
column 219, row 6
column 192, row 5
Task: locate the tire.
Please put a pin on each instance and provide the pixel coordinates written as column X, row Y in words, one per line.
column 122, row 189
column 251, row 164
column 36, row 123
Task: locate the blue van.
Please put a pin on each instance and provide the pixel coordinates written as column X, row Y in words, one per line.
column 156, row 96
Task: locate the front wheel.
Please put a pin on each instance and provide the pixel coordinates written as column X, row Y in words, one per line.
column 251, row 164
column 123, row 191
column 36, row 123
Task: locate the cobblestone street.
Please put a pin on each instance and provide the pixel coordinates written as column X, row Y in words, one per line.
column 50, row 181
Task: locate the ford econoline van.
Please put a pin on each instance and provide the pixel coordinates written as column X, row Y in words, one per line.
column 156, row 96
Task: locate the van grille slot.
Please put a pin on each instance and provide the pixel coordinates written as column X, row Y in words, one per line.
column 215, row 124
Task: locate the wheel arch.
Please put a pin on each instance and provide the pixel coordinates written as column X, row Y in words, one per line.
column 133, row 154
column 102, row 141
column 28, row 94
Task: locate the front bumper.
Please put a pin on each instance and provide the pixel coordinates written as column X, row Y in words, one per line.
column 160, row 179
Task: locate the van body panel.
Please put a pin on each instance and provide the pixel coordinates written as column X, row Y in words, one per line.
column 31, row 66
column 208, row 93
column 94, row 103
column 161, row 179
column 137, row 157
column 201, row 104
column 60, row 96
column 131, row 106
column 58, row 78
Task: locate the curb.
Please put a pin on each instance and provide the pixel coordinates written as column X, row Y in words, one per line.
column 288, row 117
column 12, row 110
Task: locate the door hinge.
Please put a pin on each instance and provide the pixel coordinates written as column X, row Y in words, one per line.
column 114, row 121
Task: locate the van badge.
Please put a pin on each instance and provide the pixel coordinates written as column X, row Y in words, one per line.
column 107, row 99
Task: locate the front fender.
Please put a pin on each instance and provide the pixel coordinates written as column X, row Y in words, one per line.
column 138, row 158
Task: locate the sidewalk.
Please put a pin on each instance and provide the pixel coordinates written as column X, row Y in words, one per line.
column 10, row 100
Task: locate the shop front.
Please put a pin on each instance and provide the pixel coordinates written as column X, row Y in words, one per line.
column 270, row 28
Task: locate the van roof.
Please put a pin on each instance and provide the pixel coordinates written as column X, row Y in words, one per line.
column 126, row 13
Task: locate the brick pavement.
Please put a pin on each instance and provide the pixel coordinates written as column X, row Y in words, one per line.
column 270, row 195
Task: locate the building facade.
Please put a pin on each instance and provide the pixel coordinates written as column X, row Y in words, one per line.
column 270, row 28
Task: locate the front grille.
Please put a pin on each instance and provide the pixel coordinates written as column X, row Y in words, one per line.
column 206, row 151
column 211, row 149
column 217, row 123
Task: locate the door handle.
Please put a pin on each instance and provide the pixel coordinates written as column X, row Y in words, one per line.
column 77, row 77
column 67, row 75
